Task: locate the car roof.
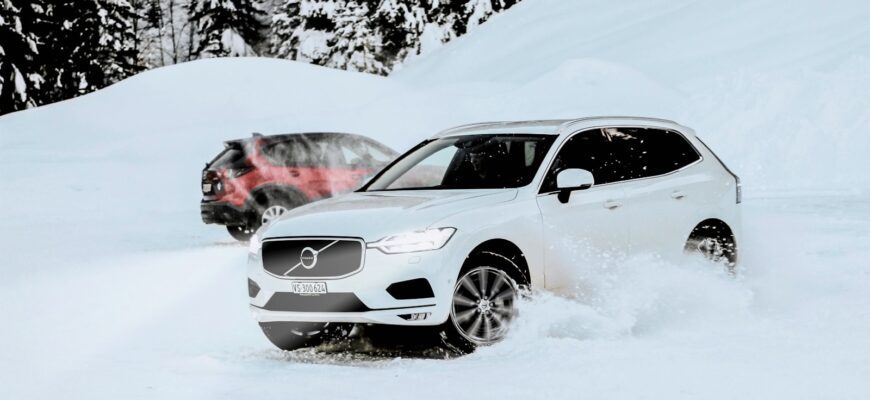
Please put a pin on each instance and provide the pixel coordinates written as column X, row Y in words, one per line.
column 284, row 136
column 558, row 126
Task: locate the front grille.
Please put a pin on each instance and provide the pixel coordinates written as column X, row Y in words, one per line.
column 313, row 257
column 329, row 302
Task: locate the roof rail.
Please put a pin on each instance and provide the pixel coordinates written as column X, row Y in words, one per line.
column 662, row 120
column 466, row 126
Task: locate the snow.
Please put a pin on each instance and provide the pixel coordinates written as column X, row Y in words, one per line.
column 112, row 287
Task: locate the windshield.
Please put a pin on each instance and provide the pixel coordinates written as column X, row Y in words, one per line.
column 492, row 161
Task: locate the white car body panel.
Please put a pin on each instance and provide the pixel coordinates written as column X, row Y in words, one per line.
column 654, row 214
column 582, row 225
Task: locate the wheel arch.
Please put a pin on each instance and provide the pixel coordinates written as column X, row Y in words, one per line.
column 262, row 192
column 713, row 227
column 507, row 249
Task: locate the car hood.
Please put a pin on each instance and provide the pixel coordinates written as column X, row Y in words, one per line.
column 374, row 215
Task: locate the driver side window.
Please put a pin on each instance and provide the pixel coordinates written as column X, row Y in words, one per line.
column 592, row 150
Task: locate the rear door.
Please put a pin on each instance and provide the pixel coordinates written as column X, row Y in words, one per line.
column 342, row 165
column 664, row 188
column 592, row 226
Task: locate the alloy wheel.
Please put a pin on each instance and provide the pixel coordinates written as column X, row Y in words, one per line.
column 272, row 213
column 483, row 305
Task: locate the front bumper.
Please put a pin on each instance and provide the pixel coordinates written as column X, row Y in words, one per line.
column 363, row 296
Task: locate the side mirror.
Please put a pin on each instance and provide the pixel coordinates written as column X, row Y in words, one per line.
column 571, row 179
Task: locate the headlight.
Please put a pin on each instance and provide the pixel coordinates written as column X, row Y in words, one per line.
column 254, row 244
column 430, row 239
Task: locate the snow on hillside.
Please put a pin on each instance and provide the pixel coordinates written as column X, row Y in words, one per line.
column 112, row 287
column 769, row 84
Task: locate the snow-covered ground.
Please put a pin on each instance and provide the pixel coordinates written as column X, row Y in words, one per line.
column 113, row 288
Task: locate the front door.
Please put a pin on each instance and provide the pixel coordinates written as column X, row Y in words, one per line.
column 592, row 228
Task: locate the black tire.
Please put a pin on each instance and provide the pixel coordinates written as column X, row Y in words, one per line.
column 240, row 233
column 294, row 335
column 497, row 311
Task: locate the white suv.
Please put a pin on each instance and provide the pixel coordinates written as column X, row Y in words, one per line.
column 448, row 234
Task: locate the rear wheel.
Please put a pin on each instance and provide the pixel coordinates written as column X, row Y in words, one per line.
column 266, row 208
column 294, row 335
column 714, row 244
column 483, row 302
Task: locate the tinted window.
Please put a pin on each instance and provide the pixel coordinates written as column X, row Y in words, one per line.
column 651, row 152
column 590, row 150
column 467, row 162
column 230, row 157
column 359, row 153
column 618, row 154
column 327, row 151
column 291, row 153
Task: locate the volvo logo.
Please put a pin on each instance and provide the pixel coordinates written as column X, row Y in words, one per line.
column 308, row 258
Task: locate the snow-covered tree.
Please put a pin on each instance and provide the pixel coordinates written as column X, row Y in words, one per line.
column 355, row 46
column 148, row 26
column 399, row 24
column 19, row 64
column 302, row 29
column 225, row 27
column 52, row 50
column 89, row 44
column 371, row 35
column 456, row 18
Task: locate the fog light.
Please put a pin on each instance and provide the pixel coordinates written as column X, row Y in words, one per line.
column 415, row 316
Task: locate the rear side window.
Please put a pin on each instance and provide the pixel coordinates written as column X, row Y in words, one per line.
column 290, row 153
column 649, row 152
column 619, row 154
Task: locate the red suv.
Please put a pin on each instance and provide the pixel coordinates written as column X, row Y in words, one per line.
column 255, row 180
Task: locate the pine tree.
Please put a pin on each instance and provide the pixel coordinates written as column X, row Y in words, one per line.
column 456, row 17
column 19, row 51
column 148, row 26
column 355, row 45
column 302, row 29
column 284, row 23
column 89, row 44
column 399, row 24
column 225, row 27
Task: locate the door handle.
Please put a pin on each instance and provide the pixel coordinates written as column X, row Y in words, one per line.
column 677, row 195
column 612, row 204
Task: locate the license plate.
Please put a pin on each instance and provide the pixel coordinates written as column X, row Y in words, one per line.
column 206, row 187
column 308, row 288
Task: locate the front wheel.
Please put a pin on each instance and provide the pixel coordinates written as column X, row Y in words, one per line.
column 483, row 303
column 294, row 335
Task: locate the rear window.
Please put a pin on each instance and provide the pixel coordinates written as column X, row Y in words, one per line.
column 231, row 157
